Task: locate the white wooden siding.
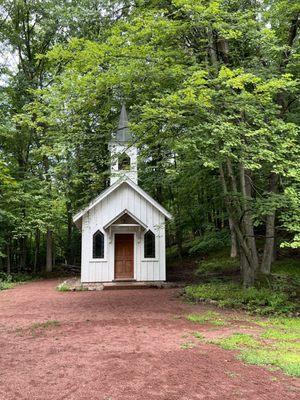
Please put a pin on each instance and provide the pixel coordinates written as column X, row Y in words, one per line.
column 102, row 270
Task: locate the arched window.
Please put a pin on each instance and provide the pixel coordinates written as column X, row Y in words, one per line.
column 123, row 162
column 98, row 245
column 149, row 245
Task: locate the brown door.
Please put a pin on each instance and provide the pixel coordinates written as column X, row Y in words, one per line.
column 124, row 256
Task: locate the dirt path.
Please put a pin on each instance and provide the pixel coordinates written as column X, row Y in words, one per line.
column 117, row 345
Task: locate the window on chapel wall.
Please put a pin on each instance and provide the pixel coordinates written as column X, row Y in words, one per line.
column 98, row 245
column 149, row 245
column 123, row 162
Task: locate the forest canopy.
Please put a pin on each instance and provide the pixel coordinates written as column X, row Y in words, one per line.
column 212, row 89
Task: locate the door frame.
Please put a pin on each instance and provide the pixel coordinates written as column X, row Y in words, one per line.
column 134, row 252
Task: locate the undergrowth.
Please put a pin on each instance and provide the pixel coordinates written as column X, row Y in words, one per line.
column 277, row 346
column 256, row 300
column 63, row 287
column 277, row 293
column 7, row 281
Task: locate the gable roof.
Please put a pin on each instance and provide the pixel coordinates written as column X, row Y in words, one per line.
column 112, row 221
column 122, row 181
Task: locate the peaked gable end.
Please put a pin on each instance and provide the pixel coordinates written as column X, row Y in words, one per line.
column 121, row 202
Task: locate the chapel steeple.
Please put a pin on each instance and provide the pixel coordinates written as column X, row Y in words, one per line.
column 123, row 152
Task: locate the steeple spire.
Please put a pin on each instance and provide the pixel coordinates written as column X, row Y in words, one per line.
column 123, row 133
column 123, row 152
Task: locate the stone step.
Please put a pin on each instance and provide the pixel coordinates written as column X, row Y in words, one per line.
column 125, row 285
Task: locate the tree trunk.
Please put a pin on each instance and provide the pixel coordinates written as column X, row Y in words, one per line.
column 248, row 272
column 49, row 245
column 23, row 254
column 233, row 251
column 212, row 51
column 8, row 265
column 36, row 251
column 69, row 255
column 247, row 218
column 247, row 263
column 270, row 231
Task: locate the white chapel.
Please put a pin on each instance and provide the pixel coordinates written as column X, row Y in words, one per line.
column 123, row 229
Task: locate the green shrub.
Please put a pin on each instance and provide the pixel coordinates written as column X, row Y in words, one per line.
column 63, row 287
column 210, row 241
column 7, row 281
column 6, row 285
column 261, row 301
column 217, row 265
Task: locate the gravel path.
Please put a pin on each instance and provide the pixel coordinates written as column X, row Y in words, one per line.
column 117, row 345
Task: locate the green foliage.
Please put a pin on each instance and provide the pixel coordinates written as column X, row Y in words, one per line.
column 187, row 345
column 210, row 317
column 287, row 266
column 289, row 361
column 279, row 350
column 63, row 287
column 211, row 87
column 6, row 285
column 7, row 281
column 261, row 301
column 209, row 242
column 198, row 335
column 218, row 265
column 238, row 341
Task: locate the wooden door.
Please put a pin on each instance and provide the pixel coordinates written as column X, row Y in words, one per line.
column 124, row 256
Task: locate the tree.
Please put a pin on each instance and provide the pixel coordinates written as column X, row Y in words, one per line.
column 206, row 79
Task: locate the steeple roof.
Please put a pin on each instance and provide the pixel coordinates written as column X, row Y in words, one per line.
column 123, row 133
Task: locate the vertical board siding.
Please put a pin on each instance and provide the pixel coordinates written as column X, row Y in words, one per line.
column 103, row 270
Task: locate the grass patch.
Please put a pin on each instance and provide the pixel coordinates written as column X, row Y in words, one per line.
column 256, row 300
column 210, row 317
column 45, row 325
column 38, row 327
column 237, row 341
column 287, row 362
column 277, row 346
column 187, row 345
column 287, row 266
column 198, row 335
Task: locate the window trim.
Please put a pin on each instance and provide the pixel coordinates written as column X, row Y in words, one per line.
column 98, row 231
column 123, row 156
column 153, row 258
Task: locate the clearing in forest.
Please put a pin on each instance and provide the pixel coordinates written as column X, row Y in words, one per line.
column 129, row 344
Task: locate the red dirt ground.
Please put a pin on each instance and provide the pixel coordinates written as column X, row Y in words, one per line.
column 118, row 345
